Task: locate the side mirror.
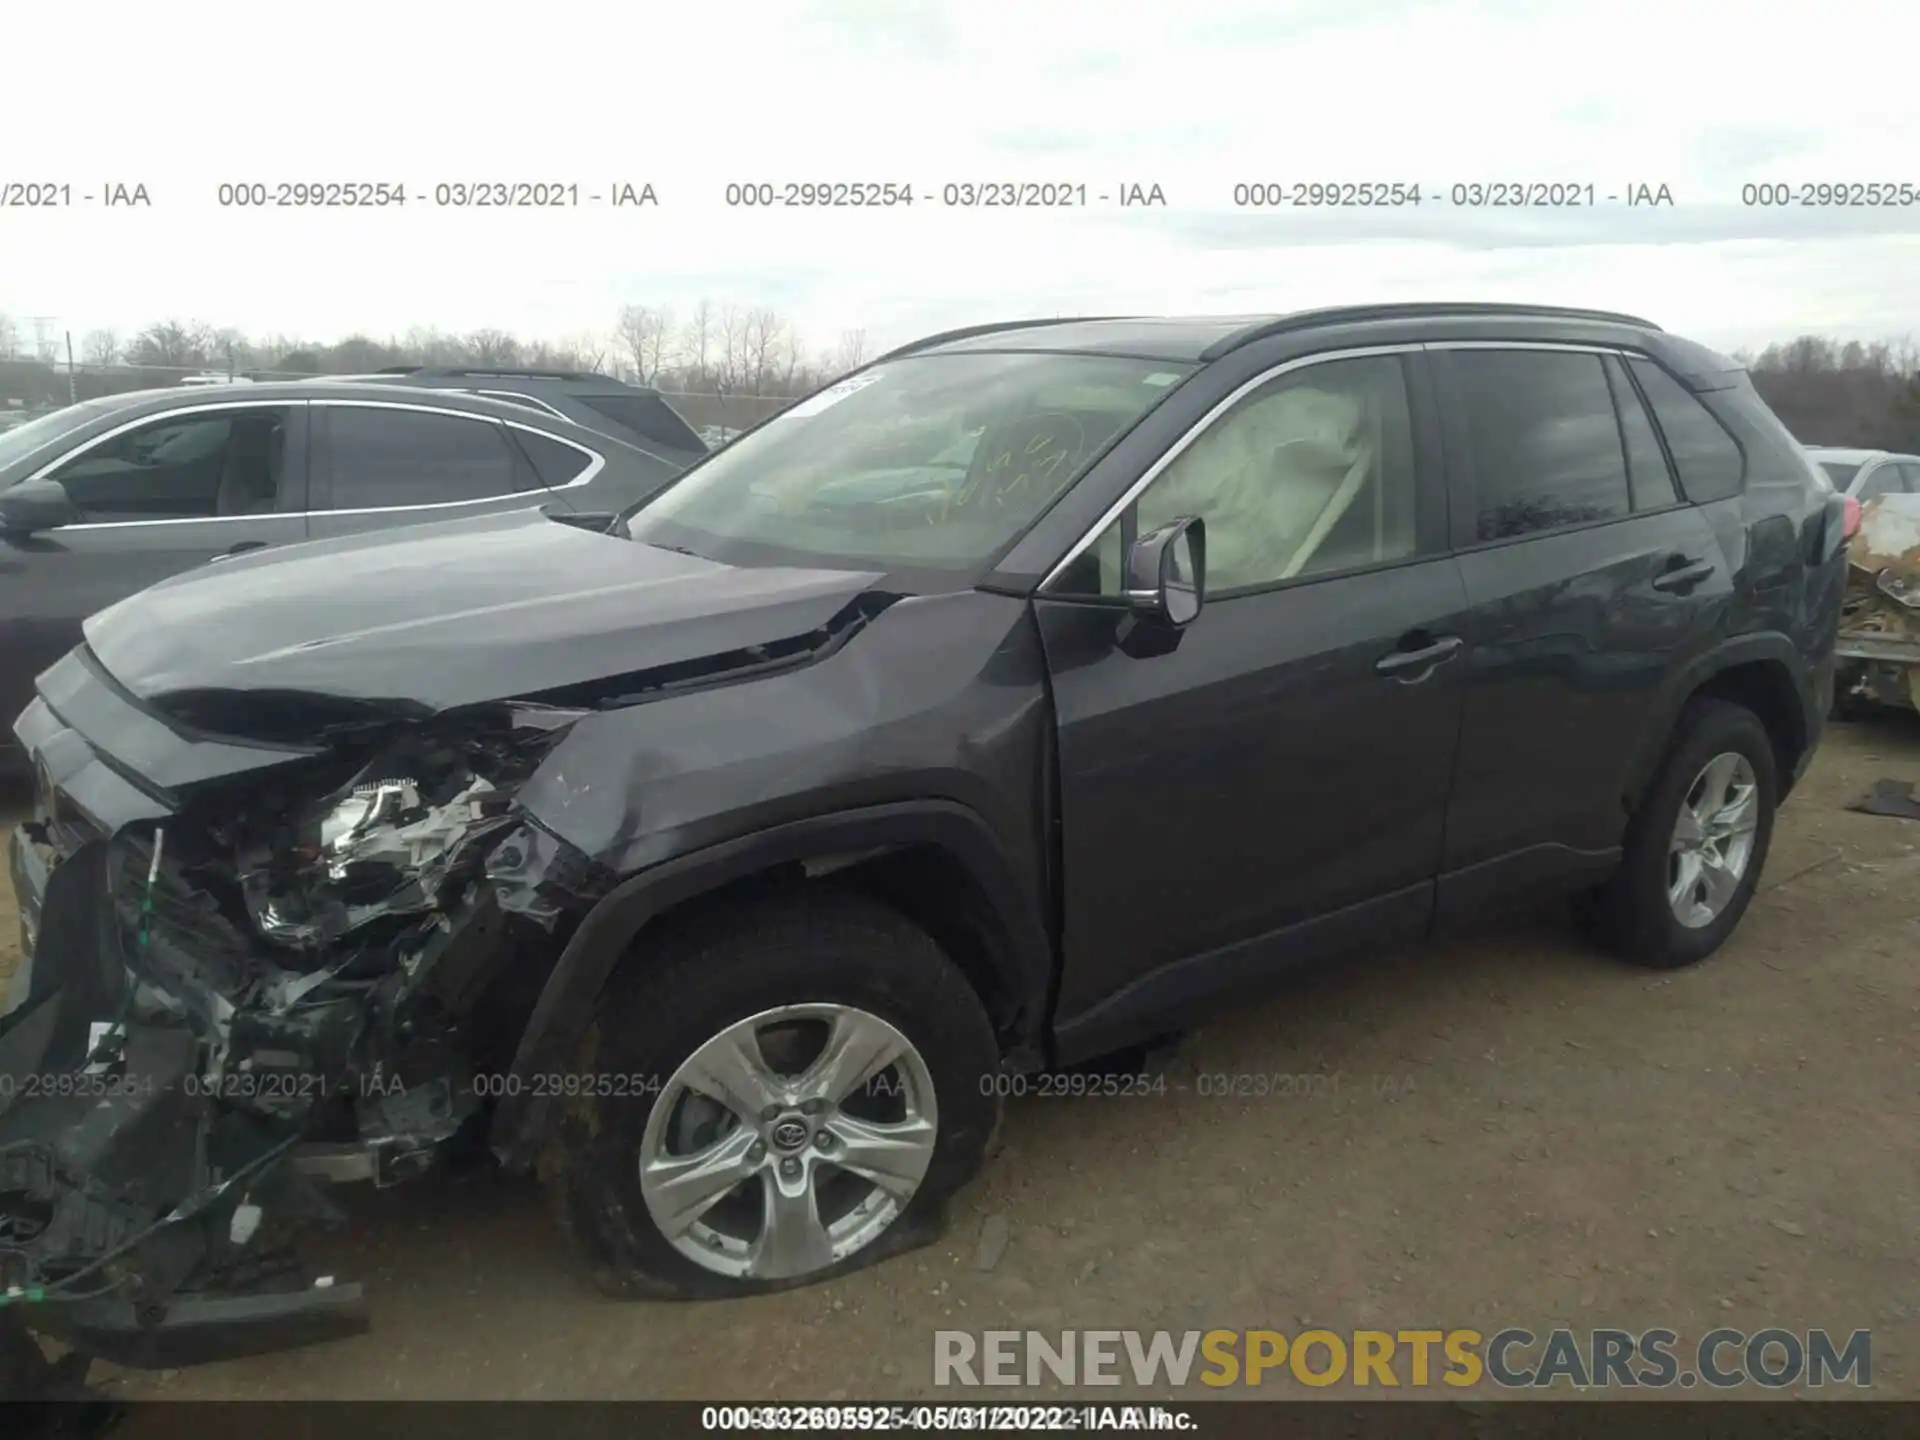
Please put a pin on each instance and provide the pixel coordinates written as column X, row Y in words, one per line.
column 1167, row 572
column 36, row 505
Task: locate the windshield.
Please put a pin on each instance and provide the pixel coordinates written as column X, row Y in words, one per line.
column 931, row 462
column 23, row 440
column 1840, row 474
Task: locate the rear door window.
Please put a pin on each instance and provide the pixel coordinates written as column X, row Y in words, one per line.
column 1544, row 439
column 382, row 458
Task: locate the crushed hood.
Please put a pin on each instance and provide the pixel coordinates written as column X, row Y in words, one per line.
column 1889, row 535
column 452, row 614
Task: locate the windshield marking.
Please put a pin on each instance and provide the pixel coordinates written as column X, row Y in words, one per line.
column 832, row 395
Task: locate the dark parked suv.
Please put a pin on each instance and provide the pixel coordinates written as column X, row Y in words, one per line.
column 639, row 415
column 1002, row 704
column 101, row 499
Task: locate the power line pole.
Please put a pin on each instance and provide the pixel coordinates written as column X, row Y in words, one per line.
column 42, row 337
column 73, row 385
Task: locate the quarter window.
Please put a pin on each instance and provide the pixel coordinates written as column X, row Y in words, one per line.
column 1309, row 475
column 554, row 461
column 1545, row 442
column 1647, row 469
column 383, row 458
column 1709, row 460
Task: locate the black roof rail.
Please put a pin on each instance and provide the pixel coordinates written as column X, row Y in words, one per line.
column 501, row 372
column 1344, row 314
column 967, row 332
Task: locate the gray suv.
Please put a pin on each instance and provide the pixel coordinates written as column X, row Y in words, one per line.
column 1000, row 706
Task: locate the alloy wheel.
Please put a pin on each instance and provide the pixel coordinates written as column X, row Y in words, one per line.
column 1712, row 841
column 789, row 1141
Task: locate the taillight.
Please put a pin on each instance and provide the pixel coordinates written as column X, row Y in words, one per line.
column 1849, row 517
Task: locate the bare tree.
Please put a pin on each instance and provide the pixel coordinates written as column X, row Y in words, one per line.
column 358, row 354
column 230, row 348
column 425, row 345
column 793, row 363
column 1853, row 394
column 591, row 352
column 173, row 344
column 730, row 349
column 734, row 364
column 275, row 348
column 762, row 335
column 697, row 343
column 849, row 353
column 642, row 332
column 493, row 347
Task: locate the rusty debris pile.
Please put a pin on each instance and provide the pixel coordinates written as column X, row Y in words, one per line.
column 1879, row 648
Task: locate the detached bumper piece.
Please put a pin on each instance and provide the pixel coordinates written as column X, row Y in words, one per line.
column 196, row 1329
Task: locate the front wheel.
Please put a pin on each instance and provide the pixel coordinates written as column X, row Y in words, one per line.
column 812, row 1081
column 1696, row 845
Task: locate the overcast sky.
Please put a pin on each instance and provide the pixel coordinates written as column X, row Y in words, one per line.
column 1194, row 97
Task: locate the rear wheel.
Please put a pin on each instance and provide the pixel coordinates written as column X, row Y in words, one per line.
column 809, row 1082
column 1696, row 845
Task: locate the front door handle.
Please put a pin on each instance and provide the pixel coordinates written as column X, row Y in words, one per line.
column 1683, row 572
column 1414, row 660
column 243, row 546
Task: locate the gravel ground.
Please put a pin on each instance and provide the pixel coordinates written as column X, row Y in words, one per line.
column 1513, row 1131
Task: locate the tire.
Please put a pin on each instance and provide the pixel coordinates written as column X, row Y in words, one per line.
column 825, row 949
column 1633, row 914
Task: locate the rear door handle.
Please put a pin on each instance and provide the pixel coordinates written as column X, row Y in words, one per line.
column 1683, row 572
column 1413, row 658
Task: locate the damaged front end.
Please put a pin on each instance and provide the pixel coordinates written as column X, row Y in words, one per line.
column 1879, row 643
column 240, row 988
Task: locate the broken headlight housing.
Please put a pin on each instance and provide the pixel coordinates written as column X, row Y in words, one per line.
column 392, row 841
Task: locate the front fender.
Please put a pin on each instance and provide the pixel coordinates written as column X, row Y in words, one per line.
column 604, row 936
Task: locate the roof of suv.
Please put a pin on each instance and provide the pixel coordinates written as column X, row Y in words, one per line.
column 639, row 414
column 568, row 379
column 1200, row 338
column 329, row 387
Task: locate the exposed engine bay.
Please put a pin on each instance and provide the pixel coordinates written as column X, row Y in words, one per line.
column 1879, row 646
column 279, row 990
